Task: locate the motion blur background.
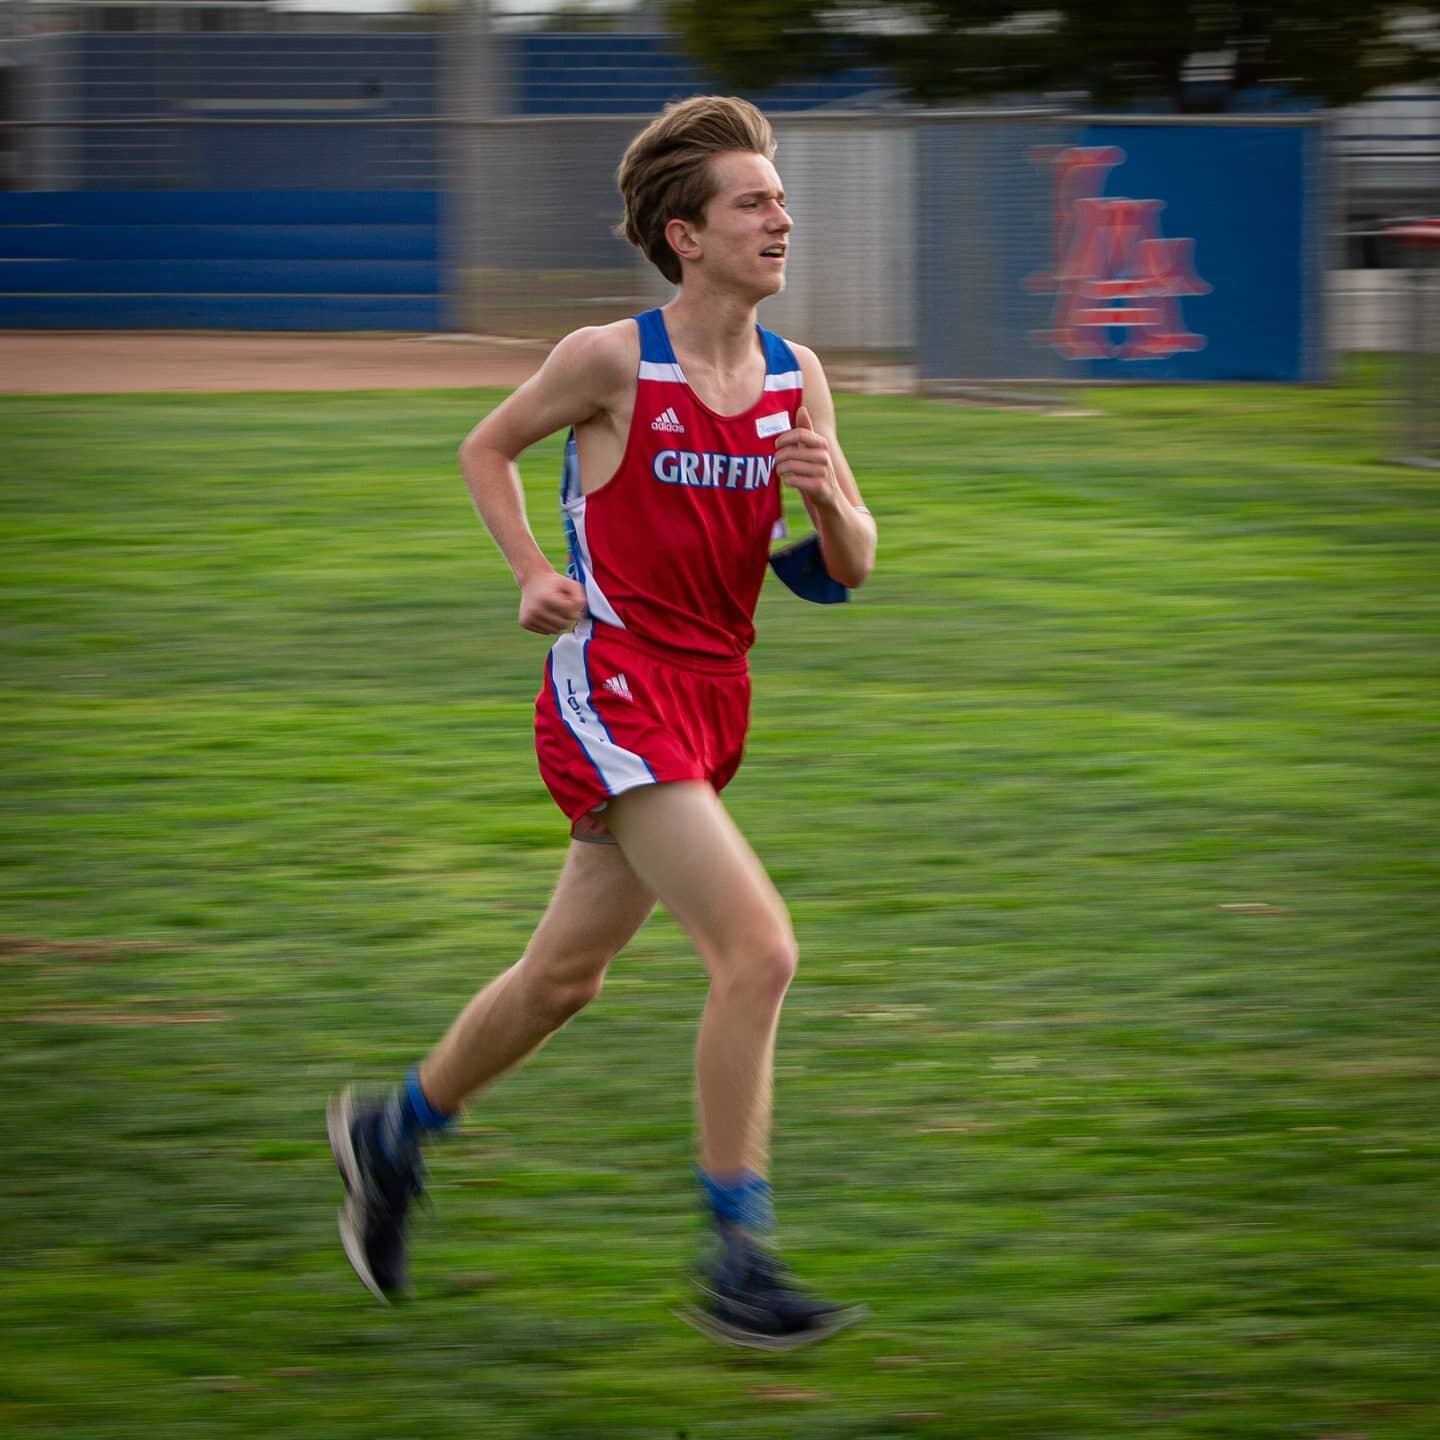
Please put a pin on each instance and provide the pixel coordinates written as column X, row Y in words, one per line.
column 424, row 165
column 1106, row 814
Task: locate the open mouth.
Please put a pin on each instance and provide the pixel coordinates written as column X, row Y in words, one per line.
column 774, row 252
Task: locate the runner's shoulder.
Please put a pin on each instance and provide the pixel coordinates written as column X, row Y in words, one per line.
column 608, row 356
column 810, row 365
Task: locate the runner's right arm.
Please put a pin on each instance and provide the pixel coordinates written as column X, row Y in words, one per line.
column 578, row 380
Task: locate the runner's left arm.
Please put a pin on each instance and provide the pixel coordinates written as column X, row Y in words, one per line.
column 809, row 459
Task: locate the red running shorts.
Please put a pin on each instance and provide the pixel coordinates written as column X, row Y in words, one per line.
column 611, row 716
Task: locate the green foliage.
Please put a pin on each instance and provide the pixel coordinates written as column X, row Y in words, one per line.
column 762, row 43
column 1106, row 815
column 1331, row 51
column 577, row 15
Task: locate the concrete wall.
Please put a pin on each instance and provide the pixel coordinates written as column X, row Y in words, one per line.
column 1370, row 310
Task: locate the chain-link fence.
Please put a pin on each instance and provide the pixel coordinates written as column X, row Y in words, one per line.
column 535, row 208
column 530, row 224
column 174, row 110
column 990, row 245
column 1417, row 246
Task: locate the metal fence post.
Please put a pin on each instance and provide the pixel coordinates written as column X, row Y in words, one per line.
column 1419, row 244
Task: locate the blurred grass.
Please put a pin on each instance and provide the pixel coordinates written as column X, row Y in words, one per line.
column 1105, row 1154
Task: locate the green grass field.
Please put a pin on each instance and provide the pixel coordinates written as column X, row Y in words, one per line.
column 1108, row 820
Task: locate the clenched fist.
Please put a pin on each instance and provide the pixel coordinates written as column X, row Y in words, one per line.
column 551, row 603
column 802, row 459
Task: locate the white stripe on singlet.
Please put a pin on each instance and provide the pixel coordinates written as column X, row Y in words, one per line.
column 661, row 370
column 595, row 598
column 790, row 380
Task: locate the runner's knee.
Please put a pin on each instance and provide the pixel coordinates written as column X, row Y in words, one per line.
column 559, row 993
column 761, row 968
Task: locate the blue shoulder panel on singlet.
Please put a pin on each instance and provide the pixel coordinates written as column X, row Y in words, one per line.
column 779, row 357
column 655, row 347
column 654, row 341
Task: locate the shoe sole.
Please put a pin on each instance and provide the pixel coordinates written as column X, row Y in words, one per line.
column 723, row 1334
column 339, row 1114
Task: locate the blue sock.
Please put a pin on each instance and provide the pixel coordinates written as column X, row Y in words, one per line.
column 409, row 1117
column 742, row 1200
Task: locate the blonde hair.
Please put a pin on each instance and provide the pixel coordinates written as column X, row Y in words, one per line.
column 666, row 174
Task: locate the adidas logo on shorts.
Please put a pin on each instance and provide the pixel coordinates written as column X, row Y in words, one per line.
column 618, row 685
column 669, row 421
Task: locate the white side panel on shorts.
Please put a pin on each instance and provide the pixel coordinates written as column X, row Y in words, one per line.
column 620, row 769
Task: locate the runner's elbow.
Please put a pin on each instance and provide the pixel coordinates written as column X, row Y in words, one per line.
column 853, row 567
column 478, row 452
column 851, row 577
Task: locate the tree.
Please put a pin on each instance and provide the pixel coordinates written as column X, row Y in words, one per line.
column 1110, row 52
column 575, row 15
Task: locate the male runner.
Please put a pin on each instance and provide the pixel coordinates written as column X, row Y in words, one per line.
column 683, row 422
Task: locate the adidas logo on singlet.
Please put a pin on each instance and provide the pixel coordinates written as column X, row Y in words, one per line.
column 669, row 420
column 618, row 685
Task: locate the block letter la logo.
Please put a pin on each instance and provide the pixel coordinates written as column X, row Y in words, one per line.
column 1112, row 270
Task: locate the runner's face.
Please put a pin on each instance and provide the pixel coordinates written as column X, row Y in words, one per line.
column 745, row 237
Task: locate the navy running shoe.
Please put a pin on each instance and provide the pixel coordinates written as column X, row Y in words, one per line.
column 378, row 1192
column 748, row 1298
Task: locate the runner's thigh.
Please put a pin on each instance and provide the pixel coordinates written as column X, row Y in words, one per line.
column 682, row 843
column 598, row 905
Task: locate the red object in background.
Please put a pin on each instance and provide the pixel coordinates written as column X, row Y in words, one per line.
column 1416, row 232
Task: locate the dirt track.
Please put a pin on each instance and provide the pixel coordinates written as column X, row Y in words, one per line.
column 109, row 362
column 98, row 362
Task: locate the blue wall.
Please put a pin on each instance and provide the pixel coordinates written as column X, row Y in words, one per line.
column 1123, row 251
column 240, row 260
column 636, row 74
column 327, row 226
column 334, row 226
column 140, row 73
column 1244, row 196
column 364, row 79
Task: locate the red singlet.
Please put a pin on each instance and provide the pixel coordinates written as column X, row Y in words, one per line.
column 672, row 552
